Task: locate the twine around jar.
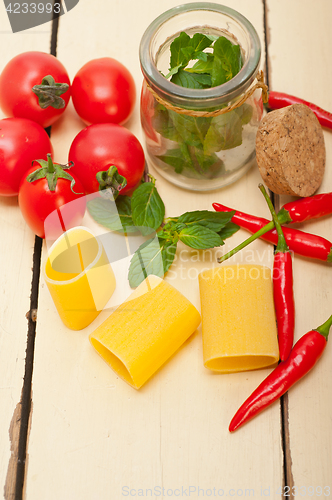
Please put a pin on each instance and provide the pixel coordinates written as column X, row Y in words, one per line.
column 258, row 83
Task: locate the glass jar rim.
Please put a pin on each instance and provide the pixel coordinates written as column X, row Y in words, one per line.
column 200, row 97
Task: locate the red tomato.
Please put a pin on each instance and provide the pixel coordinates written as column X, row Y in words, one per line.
column 37, row 202
column 104, row 91
column 16, row 82
column 21, row 142
column 98, row 147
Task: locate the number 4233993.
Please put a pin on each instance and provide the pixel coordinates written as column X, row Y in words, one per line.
column 33, row 8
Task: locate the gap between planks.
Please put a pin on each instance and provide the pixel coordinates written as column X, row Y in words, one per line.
column 288, row 481
column 21, row 420
column 20, row 423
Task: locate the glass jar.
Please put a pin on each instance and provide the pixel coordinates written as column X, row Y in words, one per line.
column 195, row 152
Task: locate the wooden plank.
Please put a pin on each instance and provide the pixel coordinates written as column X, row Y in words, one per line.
column 299, row 67
column 92, row 436
column 16, row 250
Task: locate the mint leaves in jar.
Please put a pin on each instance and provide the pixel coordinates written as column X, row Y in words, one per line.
column 192, row 144
column 217, row 60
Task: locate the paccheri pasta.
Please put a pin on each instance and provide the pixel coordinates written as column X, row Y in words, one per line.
column 144, row 331
column 79, row 277
column 238, row 318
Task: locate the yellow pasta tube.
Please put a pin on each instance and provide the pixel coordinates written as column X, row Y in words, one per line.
column 144, row 331
column 79, row 277
column 238, row 318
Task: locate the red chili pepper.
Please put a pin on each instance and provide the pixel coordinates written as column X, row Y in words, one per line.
column 284, row 301
column 304, row 209
column 279, row 100
column 282, row 287
column 299, row 242
column 302, row 358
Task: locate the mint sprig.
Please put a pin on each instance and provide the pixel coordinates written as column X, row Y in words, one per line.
column 199, row 230
column 144, row 212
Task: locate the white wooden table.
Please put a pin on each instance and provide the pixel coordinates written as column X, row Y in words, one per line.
column 89, row 436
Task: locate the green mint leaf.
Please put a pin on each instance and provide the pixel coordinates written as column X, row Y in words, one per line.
column 178, row 226
column 145, row 261
column 164, row 125
column 200, row 237
column 217, row 67
column 200, row 42
column 168, row 252
column 168, row 227
column 187, row 53
column 212, row 220
column 183, row 49
column 213, row 38
column 123, row 205
column 202, row 56
column 203, row 66
column 174, row 158
column 229, row 57
column 209, row 164
column 148, row 209
column 174, row 70
column 225, row 132
column 115, row 216
column 228, row 230
column 152, row 257
column 237, row 59
column 191, row 80
column 245, row 113
column 193, row 160
column 191, row 129
column 177, row 56
column 218, row 73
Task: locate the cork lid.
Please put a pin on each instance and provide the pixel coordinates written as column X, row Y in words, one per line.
column 290, row 151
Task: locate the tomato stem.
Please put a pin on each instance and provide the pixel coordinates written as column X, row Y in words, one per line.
column 50, row 166
column 52, row 172
column 110, row 180
column 49, row 92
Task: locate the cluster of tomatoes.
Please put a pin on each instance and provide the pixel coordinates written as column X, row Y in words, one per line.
column 34, row 92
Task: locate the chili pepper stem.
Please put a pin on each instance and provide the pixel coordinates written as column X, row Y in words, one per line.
column 299, row 242
column 282, row 245
column 246, row 242
column 329, row 257
column 283, row 216
column 324, row 329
